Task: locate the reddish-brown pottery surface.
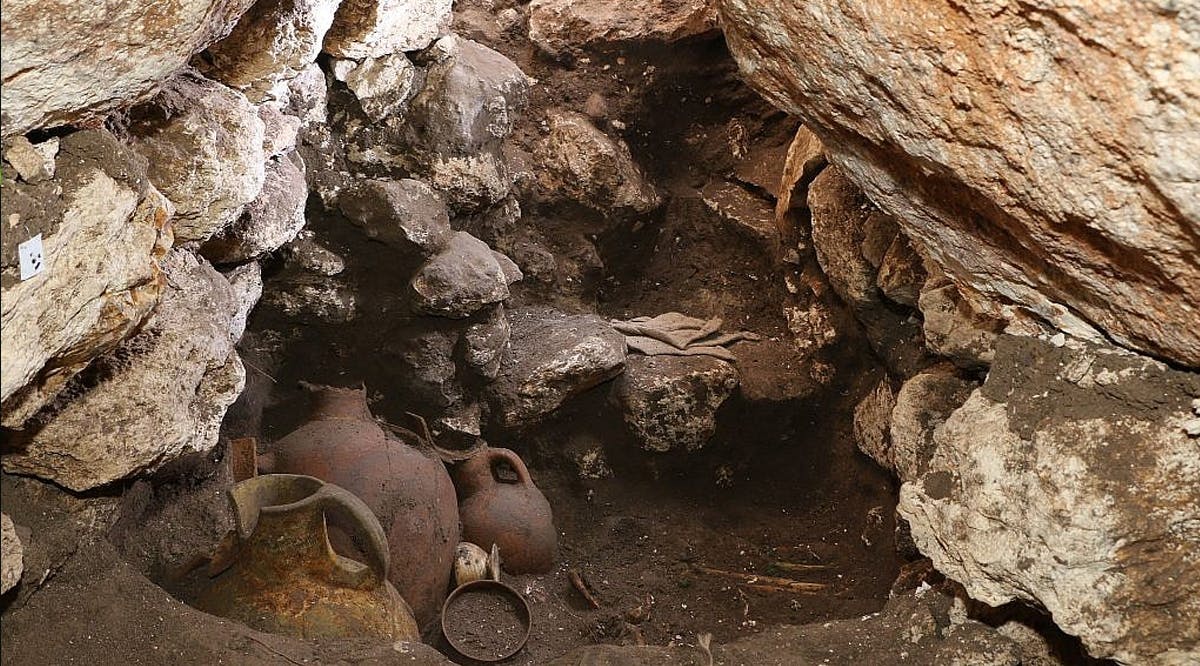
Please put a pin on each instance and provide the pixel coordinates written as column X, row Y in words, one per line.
column 514, row 515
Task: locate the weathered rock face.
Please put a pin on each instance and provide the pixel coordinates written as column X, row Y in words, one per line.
column 405, row 214
column 103, row 229
column 382, row 85
column 204, row 143
column 1068, row 480
column 160, row 394
column 579, row 163
column 271, row 220
column 11, row 555
column 551, row 357
column 561, row 27
column 460, row 279
column 670, row 402
column 271, row 44
column 376, row 28
column 1043, row 155
column 68, row 62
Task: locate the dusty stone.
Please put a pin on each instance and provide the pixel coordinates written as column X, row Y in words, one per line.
column 426, row 369
column 377, row 28
column 579, row 163
column 315, row 297
column 167, row 387
column 33, row 163
column 271, row 44
column 311, row 256
column 901, row 273
column 382, row 85
column 561, row 27
column 104, row 230
column 70, row 62
column 270, row 221
column 953, row 328
column 872, row 424
column 670, row 403
column 455, row 125
column 204, row 144
column 805, row 159
column 922, row 404
column 460, row 279
column 1065, row 480
column 551, row 357
column 12, row 562
column 994, row 150
column 308, row 95
column 280, row 130
column 749, row 215
column 406, row 214
column 841, row 220
column 486, row 342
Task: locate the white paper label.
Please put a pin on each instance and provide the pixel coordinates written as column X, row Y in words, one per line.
column 30, row 254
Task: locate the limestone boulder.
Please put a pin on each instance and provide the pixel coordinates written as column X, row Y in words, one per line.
column 270, row 221
column 1068, row 480
column 579, row 163
column 382, row 85
column 377, row 28
column 204, row 144
column 670, row 403
column 161, row 394
column 12, row 555
column 954, row 328
column 69, row 62
column 270, row 45
column 308, row 96
column 872, row 424
column 460, row 279
column 922, row 404
column 563, row 27
column 485, row 342
column 280, row 130
column 103, row 230
column 405, row 214
column 1043, row 154
column 551, row 357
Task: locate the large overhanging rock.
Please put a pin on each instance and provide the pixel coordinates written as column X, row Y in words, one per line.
column 1068, row 480
column 69, row 62
column 159, row 395
column 204, row 142
column 103, row 231
column 1043, row 154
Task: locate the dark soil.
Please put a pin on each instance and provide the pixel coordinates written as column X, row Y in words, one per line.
column 484, row 624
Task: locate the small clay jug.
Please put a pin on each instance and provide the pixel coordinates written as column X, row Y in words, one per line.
column 514, row 515
column 408, row 489
column 283, row 576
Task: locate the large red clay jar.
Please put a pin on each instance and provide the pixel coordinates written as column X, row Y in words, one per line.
column 408, row 489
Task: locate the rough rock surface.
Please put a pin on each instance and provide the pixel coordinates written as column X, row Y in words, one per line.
column 382, row 85
column 406, row 214
column 204, row 143
column 1042, row 153
column 551, row 357
column 271, row 44
column 562, row 27
column 579, row 163
column 12, row 562
column 469, row 103
column 376, row 28
column 486, row 341
column 846, row 236
column 103, row 233
column 953, row 328
column 280, row 130
column 270, row 221
column 873, row 422
column 923, row 403
column 160, row 394
column 69, row 62
column 1067, row 479
column 670, row 402
column 460, row 279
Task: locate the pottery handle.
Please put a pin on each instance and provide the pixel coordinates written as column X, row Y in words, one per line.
column 348, row 510
column 513, row 460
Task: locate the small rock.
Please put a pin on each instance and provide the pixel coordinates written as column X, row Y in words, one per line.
column 406, row 214
column 426, row 370
column 562, row 27
column 953, row 328
column 377, row 28
column 33, row 163
column 12, row 555
column 751, row 216
column 204, row 143
column 462, row 278
column 314, row 297
column 581, row 164
column 872, row 424
column 901, row 272
column 512, row 272
column 280, row 130
column 841, row 220
column 313, row 257
column 551, row 357
column 271, row 43
column 308, row 95
column 270, row 221
column 922, row 404
column 486, row 342
column 670, row 402
column 382, row 85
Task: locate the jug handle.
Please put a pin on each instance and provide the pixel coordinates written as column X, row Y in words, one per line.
column 497, row 455
column 352, row 512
